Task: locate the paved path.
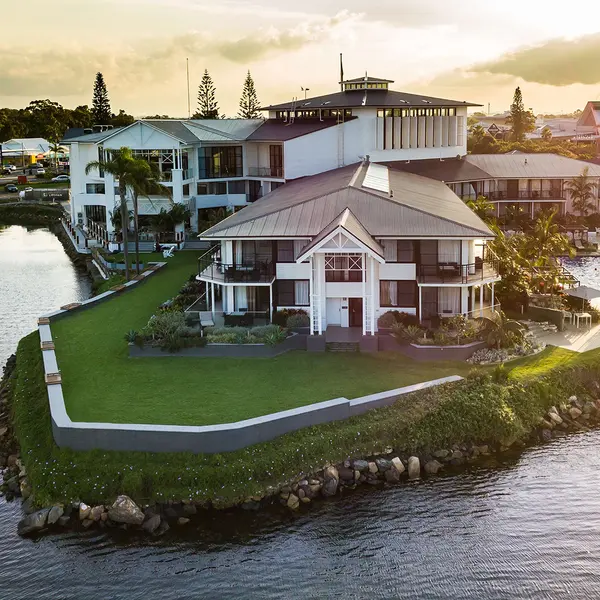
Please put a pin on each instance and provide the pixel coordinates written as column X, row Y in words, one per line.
column 578, row 340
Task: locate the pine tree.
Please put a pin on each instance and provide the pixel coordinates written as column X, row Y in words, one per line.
column 207, row 103
column 249, row 103
column 522, row 120
column 100, row 103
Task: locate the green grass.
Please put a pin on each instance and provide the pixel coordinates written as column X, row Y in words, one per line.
column 101, row 383
column 145, row 257
column 546, row 361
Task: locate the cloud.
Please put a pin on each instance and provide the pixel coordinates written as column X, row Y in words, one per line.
column 558, row 62
column 69, row 71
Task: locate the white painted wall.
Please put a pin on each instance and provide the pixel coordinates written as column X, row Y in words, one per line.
column 344, row 290
column 399, row 271
column 292, row 271
column 311, row 154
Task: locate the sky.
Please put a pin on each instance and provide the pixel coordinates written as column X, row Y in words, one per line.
column 473, row 50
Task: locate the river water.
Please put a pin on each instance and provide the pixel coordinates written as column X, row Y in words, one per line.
column 525, row 527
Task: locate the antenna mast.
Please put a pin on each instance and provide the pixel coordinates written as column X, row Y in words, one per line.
column 187, row 68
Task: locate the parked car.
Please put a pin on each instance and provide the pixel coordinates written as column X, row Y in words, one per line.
column 60, row 178
column 11, row 188
column 10, row 167
column 40, row 171
column 28, row 189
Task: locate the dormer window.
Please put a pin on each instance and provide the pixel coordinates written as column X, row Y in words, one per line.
column 366, row 83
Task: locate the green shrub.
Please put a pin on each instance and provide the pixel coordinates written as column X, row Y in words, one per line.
column 280, row 317
column 222, row 338
column 389, row 318
column 165, row 324
column 410, row 333
column 262, row 331
column 131, row 336
column 275, row 337
column 297, row 321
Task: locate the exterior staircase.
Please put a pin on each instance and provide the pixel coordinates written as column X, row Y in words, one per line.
column 342, row 347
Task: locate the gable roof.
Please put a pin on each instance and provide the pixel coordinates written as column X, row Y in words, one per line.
column 447, row 170
column 371, row 98
column 415, row 207
column 275, row 130
column 515, row 166
column 349, row 224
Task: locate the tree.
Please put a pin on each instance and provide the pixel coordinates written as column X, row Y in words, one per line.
column 207, row 103
column 55, row 148
column 582, row 191
column 522, row 120
column 122, row 119
column 100, row 103
column 482, row 208
column 120, row 164
column 249, row 103
column 547, row 134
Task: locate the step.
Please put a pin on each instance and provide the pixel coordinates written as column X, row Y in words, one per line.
column 342, row 346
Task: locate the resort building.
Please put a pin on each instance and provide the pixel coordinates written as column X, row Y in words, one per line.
column 529, row 181
column 23, row 152
column 347, row 246
column 588, row 125
column 230, row 163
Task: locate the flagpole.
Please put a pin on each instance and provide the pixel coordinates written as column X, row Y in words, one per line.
column 187, row 68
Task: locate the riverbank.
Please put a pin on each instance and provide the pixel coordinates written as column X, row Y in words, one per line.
column 418, row 436
column 23, row 213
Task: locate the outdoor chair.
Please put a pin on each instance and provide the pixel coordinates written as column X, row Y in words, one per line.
column 567, row 316
column 168, row 252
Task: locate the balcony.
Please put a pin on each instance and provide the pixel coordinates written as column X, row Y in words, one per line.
column 276, row 172
column 211, row 268
column 456, row 273
column 188, row 174
column 531, row 195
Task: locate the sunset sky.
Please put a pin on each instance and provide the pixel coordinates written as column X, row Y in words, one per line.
column 471, row 50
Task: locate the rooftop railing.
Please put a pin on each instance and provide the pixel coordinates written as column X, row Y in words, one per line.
column 452, row 272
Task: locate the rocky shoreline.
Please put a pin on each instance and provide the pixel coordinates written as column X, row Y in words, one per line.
column 380, row 470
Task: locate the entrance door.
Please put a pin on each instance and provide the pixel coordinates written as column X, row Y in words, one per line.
column 334, row 316
column 356, row 312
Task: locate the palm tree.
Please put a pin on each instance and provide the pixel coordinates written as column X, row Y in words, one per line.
column 120, row 164
column 502, row 332
column 482, row 208
column 55, row 148
column 582, row 190
column 142, row 180
column 179, row 213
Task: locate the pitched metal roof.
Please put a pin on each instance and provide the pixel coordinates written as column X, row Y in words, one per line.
column 347, row 222
column 418, row 207
column 275, row 130
column 447, row 170
column 367, row 78
column 515, row 166
column 372, row 98
column 93, row 138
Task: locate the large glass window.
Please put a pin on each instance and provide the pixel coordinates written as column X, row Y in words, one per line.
column 285, row 251
column 343, row 267
column 276, row 160
column 220, row 161
column 401, row 294
column 94, row 188
column 399, row 251
column 293, row 292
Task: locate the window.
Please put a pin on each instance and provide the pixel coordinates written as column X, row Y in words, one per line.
column 212, row 189
column 285, row 251
column 276, row 160
column 398, row 251
column 402, row 294
column 343, row 267
column 291, row 292
column 186, row 189
column 220, row 161
column 236, row 187
column 94, row 188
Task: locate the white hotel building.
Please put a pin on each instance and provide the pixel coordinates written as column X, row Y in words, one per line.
column 346, row 239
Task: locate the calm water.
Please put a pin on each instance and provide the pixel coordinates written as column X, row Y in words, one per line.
column 528, row 528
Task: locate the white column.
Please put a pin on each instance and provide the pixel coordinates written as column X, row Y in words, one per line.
column 212, row 300
column 473, row 299
column 481, row 300
column 414, row 132
column 311, row 288
column 364, row 294
column 420, row 296
column 271, row 302
column 493, row 297
column 372, row 305
column 319, row 299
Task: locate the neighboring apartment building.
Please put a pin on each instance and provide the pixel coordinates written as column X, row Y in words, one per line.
column 233, row 162
column 349, row 245
column 530, row 181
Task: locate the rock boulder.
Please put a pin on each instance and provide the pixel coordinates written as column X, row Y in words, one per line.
column 414, row 467
column 432, row 467
column 125, row 510
column 56, row 512
column 34, row 522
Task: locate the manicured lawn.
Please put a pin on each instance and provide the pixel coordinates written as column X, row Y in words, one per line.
column 145, row 257
column 101, row 383
column 544, row 362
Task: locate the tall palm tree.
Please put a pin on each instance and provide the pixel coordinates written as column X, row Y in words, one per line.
column 582, row 189
column 143, row 180
column 120, row 164
column 55, row 148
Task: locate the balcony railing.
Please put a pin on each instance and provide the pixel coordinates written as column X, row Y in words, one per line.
column 266, row 172
column 527, row 195
column 211, row 268
column 450, row 272
column 188, row 174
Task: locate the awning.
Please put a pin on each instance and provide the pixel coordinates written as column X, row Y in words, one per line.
column 585, row 292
